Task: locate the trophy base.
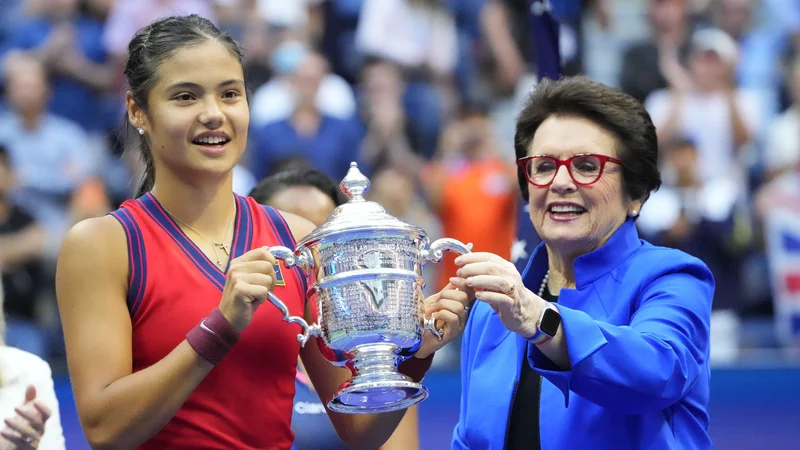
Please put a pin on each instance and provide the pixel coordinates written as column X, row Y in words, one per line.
column 377, row 387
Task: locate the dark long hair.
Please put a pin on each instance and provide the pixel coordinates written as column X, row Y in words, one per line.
column 149, row 48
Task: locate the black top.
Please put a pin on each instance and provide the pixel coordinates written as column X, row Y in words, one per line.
column 523, row 424
column 20, row 283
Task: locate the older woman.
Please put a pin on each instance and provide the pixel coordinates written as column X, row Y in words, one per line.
column 602, row 342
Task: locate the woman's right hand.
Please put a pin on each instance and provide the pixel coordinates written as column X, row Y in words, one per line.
column 250, row 279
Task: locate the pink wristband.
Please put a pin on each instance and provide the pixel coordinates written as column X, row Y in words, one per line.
column 213, row 337
column 416, row 368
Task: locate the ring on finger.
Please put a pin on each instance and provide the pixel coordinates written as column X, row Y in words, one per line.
column 510, row 292
column 28, row 439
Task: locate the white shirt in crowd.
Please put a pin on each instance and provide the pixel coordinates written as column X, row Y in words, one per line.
column 410, row 35
column 782, row 149
column 18, row 370
column 705, row 119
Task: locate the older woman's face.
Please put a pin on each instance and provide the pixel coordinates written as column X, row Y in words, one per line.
column 604, row 205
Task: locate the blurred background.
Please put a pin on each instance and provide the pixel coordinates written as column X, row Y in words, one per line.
column 423, row 93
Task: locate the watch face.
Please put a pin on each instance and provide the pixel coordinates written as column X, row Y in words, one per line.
column 551, row 320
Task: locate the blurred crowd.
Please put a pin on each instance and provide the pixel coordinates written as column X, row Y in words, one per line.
column 423, row 94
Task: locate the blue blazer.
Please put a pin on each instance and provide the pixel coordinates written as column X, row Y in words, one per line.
column 637, row 332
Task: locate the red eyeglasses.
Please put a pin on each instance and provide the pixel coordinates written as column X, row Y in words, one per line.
column 585, row 169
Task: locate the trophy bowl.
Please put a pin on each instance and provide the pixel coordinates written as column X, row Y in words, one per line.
column 364, row 270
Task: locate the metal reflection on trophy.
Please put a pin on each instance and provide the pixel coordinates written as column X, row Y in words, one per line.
column 364, row 269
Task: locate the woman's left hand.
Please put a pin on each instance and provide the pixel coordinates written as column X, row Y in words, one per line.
column 498, row 283
column 24, row 431
column 448, row 308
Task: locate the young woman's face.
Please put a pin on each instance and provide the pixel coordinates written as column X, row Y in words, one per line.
column 198, row 115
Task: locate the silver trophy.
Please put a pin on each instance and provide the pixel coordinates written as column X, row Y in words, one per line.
column 364, row 269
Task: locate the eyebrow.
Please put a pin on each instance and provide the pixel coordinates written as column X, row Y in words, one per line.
column 190, row 85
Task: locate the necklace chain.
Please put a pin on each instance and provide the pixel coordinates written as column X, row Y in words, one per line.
column 214, row 244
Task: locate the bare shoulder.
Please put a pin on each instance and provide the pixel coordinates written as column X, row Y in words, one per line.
column 300, row 227
column 96, row 234
column 96, row 246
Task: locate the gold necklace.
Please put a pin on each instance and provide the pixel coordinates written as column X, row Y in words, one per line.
column 214, row 244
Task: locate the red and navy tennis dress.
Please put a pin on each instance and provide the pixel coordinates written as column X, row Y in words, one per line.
column 246, row 401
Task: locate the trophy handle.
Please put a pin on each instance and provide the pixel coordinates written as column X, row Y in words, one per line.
column 429, row 324
column 290, row 259
column 435, row 253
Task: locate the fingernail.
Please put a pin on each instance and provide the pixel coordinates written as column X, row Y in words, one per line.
column 455, row 280
column 458, row 273
column 469, row 281
column 459, row 260
column 478, row 294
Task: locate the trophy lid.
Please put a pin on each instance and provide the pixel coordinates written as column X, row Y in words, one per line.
column 358, row 214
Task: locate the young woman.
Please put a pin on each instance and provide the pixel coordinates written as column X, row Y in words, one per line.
column 167, row 344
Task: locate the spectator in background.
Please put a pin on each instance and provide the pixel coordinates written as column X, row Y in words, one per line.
column 277, row 99
column 296, row 15
column 785, row 14
column 69, row 45
column 420, row 37
column 644, row 64
column 393, row 136
column 13, row 12
column 469, row 176
column 27, row 399
column 127, row 16
column 704, row 220
column 300, row 190
column 21, row 240
column 259, row 43
column 508, row 53
column 340, row 20
column 707, row 106
column 328, row 143
column 782, row 148
column 760, row 46
column 53, row 169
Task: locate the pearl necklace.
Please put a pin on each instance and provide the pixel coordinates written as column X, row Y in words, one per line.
column 544, row 283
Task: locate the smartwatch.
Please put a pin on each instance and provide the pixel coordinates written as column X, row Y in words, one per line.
column 549, row 322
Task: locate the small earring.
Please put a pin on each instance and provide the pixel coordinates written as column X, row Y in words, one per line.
column 634, row 213
column 141, row 131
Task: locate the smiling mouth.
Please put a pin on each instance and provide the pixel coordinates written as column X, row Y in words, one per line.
column 566, row 210
column 211, row 141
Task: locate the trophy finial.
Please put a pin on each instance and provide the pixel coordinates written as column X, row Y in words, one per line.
column 354, row 184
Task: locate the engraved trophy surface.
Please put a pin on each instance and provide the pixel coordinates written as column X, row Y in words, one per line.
column 364, row 270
